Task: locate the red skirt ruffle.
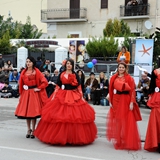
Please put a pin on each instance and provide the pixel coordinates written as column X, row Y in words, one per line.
column 122, row 128
column 67, row 122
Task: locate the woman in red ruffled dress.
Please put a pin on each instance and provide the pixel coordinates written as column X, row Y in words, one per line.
column 32, row 84
column 124, row 112
column 152, row 142
column 67, row 118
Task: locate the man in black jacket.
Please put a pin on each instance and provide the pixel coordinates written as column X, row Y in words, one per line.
column 52, row 81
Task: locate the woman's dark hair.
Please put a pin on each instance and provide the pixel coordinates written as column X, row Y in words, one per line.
column 158, row 62
column 83, row 76
column 48, row 70
column 123, row 47
column 152, row 85
column 38, row 58
column 21, row 69
column 32, row 60
column 72, row 63
column 9, row 61
column 6, row 82
column 59, row 82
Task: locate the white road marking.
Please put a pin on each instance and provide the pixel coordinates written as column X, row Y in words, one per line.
column 52, row 153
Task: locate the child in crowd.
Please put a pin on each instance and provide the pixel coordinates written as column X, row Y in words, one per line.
column 6, row 91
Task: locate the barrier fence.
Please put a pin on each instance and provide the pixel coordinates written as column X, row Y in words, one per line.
column 108, row 69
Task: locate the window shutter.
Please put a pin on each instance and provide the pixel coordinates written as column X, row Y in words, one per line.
column 104, row 3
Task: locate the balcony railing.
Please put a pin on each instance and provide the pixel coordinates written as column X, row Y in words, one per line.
column 139, row 11
column 64, row 15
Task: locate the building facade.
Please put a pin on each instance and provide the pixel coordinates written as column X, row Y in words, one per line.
column 85, row 18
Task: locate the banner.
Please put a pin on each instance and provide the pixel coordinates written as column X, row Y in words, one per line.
column 77, row 52
column 72, row 50
column 144, row 52
column 143, row 56
column 80, row 53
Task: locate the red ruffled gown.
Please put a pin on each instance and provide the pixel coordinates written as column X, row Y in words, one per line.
column 153, row 130
column 31, row 103
column 67, row 118
column 121, row 121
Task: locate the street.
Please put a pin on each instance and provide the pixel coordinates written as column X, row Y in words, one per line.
column 14, row 145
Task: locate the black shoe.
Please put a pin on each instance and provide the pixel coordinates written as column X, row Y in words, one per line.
column 158, row 149
column 94, row 102
column 32, row 135
column 28, row 135
column 98, row 103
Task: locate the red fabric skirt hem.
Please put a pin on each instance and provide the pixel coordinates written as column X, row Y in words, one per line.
column 123, row 132
column 153, row 131
column 30, row 104
column 66, row 133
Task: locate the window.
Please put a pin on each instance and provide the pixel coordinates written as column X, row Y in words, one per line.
column 104, row 3
column 74, row 8
column 74, row 35
column 137, row 34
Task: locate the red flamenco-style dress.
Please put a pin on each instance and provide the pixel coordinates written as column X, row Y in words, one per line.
column 152, row 142
column 31, row 102
column 121, row 121
column 67, row 118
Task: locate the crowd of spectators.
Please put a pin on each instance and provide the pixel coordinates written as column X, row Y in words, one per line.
column 92, row 88
column 9, row 77
column 95, row 89
column 135, row 7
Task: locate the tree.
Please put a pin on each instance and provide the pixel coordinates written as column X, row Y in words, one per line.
column 156, row 49
column 116, row 28
column 111, row 46
column 108, row 30
column 125, row 29
column 94, row 47
column 102, row 47
column 15, row 30
column 126, row 42
column 12, row 27
column 5, row 46
column 29, row 31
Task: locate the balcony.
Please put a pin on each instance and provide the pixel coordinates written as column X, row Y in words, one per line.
column 135, row 12
column 64, row 15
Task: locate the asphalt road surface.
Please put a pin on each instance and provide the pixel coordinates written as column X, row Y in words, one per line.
column 14, row 145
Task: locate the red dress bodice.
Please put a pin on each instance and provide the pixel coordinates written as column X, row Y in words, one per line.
column 30, row 79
